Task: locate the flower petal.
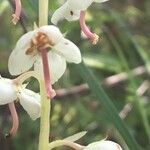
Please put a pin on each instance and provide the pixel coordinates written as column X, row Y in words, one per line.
column 52, row 32
column 19, row 61
column 57, row 66
column 25, row 40
column 65, row 12
column 7, row 91
column 79, row 5
column 103, row 145
column 68, row 50
column 30, row 101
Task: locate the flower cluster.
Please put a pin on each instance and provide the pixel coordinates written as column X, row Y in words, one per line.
column 45, row 51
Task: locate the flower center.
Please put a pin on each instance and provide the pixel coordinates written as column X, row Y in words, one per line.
column 41, row 41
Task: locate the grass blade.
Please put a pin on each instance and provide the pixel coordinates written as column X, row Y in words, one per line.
column 128, row 33
column 109, row 107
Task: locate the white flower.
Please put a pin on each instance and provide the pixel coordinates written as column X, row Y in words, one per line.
column 103, row 145
column 29, row 100
column 65, row 12
column 71, row 10
column 7, row 91
column 27, row 52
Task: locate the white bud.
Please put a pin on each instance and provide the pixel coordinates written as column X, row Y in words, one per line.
column 103, row 145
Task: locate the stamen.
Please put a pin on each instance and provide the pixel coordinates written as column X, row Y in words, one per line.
column 16, row 15
column 50, row 91
column 15, row 120
column 92, row 36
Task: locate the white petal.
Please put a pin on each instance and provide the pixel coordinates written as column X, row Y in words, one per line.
column 19, row 61
column 52, row 32
column 68, row 50
column 79, row 4
column 57, row 66
column 103, row 145
column 30, row 101
column 7, row 91
column 65, row 12
column 100, row 1
column 25, row 40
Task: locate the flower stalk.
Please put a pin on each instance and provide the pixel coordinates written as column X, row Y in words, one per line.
column 20, row 79
column 43, row 12
column 45, row 121
column 45, row 103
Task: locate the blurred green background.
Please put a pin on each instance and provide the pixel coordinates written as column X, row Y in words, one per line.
column 121, row 62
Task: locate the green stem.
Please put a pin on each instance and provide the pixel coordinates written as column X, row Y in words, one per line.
column 45, row 102
column 43, row 12
column 20, row 79
column 45, row 121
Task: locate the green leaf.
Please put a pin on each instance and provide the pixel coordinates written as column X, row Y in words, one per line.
column 109, row 107
column 130, row 36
